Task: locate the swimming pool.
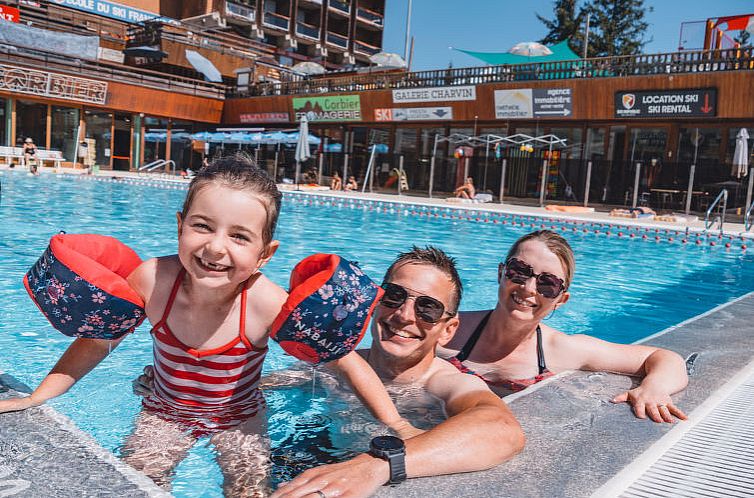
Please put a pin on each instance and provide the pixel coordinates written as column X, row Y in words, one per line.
column 625, row 288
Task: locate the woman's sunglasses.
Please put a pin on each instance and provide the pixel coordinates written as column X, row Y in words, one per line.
column 549, row 285
column 428, row 309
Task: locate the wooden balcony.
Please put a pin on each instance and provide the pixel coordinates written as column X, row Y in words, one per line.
column 307, row 31
column 339, row 7
column 370, row 17
column 361, row 47
column 337, row 40
column 276, row 21
column 241, row 12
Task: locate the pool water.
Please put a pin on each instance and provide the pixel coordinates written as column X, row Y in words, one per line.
column 624, row 289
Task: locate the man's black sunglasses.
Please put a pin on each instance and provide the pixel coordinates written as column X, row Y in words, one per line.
column 427, row 309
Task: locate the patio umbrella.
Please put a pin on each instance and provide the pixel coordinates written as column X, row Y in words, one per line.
column 388, row 59
column 741, row 155
column 309, row 68
column 529, row 49
column 302, row 146
column 204, row 66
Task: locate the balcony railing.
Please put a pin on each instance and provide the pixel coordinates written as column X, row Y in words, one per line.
column 112, row 72
column 241, row 11
column 275, row 20
column 337, row 40
column 365, row 48
column 369, row 16
column 307, row 30
column 600, row 67
column 339, row 6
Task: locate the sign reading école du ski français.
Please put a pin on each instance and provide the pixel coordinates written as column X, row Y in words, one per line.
column 666, row 103
column 435, row 94
column 112, row 10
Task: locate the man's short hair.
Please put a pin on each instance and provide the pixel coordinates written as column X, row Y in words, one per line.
column 436, row 258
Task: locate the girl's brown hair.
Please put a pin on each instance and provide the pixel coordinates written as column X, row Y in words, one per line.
column 239, row 172
column 556, row 244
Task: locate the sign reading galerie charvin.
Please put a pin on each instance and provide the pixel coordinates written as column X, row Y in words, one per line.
column 413, row 114
column 438, row 94
column 666, row 103
column 109, row 9
column 334, row 108
column 533, row 102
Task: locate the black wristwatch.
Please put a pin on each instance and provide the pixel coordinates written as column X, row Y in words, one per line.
column 393, row 450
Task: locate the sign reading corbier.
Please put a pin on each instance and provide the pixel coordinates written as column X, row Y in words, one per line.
column 334, row 108
column 666, row 103
column 437, row 94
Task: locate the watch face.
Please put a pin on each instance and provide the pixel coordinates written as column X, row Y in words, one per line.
column 387, row 443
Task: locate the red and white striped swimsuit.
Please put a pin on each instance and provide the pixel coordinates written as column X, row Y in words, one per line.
column 210, row 390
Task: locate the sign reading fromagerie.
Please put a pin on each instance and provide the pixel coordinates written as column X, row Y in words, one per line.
column 333, row 108
column 438, row 94
column 666, row 103
column 58, row 86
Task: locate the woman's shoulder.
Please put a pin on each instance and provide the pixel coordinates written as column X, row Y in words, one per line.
column 469, row 320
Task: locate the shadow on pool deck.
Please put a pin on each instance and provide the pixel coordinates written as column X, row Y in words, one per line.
column 576, row 439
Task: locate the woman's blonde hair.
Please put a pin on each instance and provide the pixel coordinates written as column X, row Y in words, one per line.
column 556, row 244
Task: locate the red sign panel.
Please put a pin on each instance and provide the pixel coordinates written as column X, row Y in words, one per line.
column 264, row 117
column 9, row 14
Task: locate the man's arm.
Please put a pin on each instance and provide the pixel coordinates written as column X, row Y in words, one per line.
column 480, row 432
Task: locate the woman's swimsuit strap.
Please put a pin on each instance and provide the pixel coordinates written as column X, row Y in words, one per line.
column 465, row 351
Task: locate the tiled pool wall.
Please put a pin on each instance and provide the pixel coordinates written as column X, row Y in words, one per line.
column 474, row 214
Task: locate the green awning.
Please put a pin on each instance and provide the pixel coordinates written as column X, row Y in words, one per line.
column 560, row 52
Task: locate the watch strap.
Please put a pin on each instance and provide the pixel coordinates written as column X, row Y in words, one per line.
column 397, row 462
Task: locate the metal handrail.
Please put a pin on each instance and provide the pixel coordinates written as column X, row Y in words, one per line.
column 153, row 165
column 716, row 204
column 748, row 220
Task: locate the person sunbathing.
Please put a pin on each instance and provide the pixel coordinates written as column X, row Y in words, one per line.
column 467, row 190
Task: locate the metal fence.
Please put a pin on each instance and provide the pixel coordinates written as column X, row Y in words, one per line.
column 599, row 67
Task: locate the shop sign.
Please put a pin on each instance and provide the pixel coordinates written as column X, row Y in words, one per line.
column 11, row 14
column 333, row 108
column 438, row 94
column 53, row 85
column 264, row 117
column 414, row 114
column 695, row 102
column 110, row 9
column 109, row 54
column 533, row 103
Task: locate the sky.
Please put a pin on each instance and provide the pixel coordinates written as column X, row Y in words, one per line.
column 497, row 25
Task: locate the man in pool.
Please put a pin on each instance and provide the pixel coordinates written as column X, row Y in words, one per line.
column 417, row 313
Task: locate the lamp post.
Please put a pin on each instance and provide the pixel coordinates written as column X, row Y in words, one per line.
column 408, row 31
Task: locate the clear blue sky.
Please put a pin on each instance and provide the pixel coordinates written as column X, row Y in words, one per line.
column 497, row 25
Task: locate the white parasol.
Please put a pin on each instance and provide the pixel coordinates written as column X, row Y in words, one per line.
column 530, row 49
column 302, row 146
column 741, row 154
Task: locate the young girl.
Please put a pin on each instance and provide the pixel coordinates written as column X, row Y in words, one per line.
column 211, row 310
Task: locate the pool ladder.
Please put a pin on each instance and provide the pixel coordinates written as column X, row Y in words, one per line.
column 748, row 221
column 720, row 215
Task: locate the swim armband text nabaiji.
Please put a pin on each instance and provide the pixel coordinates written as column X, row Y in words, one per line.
column 327, row 310
column 80, row 285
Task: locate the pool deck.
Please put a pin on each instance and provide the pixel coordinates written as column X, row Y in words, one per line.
column 577, row 441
